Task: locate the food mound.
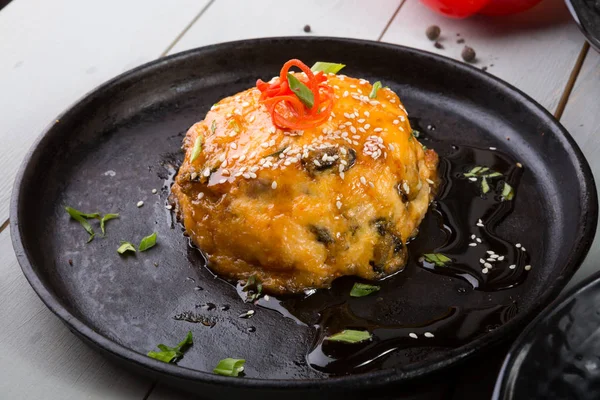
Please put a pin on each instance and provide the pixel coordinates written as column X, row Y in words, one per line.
column 303, row 179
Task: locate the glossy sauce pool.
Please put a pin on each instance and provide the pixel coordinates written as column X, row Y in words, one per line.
column 461, row 225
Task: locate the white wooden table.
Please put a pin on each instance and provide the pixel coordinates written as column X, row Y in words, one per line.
column 52, row 52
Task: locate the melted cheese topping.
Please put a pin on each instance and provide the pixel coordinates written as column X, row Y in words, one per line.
column 301, row 208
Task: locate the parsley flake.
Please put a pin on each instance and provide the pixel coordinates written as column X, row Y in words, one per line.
column 363, row 289
column 172, row 354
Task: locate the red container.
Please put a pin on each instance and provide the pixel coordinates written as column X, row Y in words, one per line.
column 466, row 8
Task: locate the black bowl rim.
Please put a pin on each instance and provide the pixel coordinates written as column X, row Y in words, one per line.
column 587, row 227
column 589, row 35
column 529, row 334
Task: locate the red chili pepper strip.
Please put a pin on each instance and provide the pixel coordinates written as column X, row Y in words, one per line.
column 286, row 109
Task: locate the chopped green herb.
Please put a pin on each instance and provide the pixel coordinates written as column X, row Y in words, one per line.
column 438, row 259
column 106, row 217
column 230, row 367
column 197, row 149
column 253, row 287
column 350, row 336
column 484, row 186
column 507, row 192
column 416, row 133
column 147, row 242
column 376, row 87
column 125, row 246
column 480, row 171
column 363, row 289
column 327, row 67
column 301, row 91
column 236, row 126
column 278, row 152
column 213, row 126
column 82, row 219
column 172, row 354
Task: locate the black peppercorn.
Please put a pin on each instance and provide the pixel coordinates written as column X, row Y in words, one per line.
column 433, row 32
column 438, row 45
column 468, row 54
column 307, row 28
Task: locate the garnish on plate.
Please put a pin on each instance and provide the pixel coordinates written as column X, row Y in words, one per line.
column 297, row 102
column 82, row 218
column 376, row 87
column 327, row 67
column 106, row 217
column 253, row 288
column 148, row 242
column 507, row 192
column 350, row 336
column 230, row 367
column 363, row 289
column 197, row 149
column 125, row 247
column 172, row 354
column 439, row 259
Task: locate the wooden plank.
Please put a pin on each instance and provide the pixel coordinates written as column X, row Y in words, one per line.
column 534, row 51
column 582, row 119
column 228, row 20
column 41, row 358
column 53, row 52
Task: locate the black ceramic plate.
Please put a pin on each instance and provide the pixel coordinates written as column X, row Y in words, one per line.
column 109, row 151
column 558, row 356
column 587, row 15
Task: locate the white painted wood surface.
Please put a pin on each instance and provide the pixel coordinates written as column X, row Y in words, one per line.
column 53, row 52
column 41, row 358
column 535, row 51
column 582, row 119
column 228, row 20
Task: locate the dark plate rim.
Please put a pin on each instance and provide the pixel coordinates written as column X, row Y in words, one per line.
column 586, row 232
column 529, row 334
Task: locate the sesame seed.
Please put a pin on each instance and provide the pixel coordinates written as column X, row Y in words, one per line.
column 494, row 256
column 485, row 271
column 491, row 259
column 266, row 297
column 513, row 266
column 481, row 260
column 490, row 252
column 252, row 175
column 478, row 240
column 413, row 335
column 140, row 203
column 206, row 172
column 353, row 130
column 472, row 244
column 233, row 145
column 527, row 267
column 168, row 206
column 378, row 130
column 523, row 248
column 360, row 121
column 346, row 94
column 367, row 126
column 395, row 122
column 338, row 204
column 473, row 236
column 222, row 180
column 247, row 314
column 154, row 191
column 428, row 334
column 274, row 185
column 492, row 148
column 246, row 175
column 200, row 195
column 473, row 179
column 518, row 245
column 519, row 165
column 363, row 180
column 429, row 181
column 367, row 114
column 372, row 185
column 501, row 258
